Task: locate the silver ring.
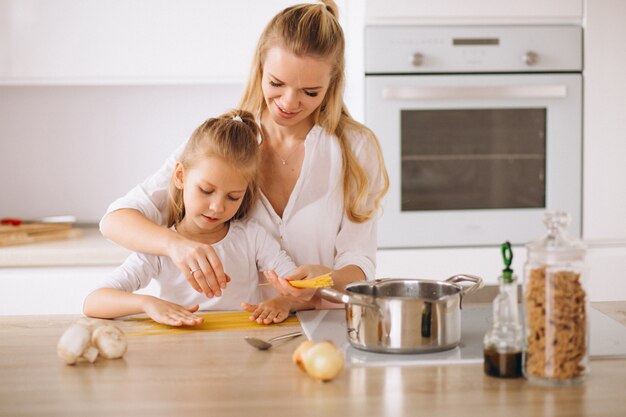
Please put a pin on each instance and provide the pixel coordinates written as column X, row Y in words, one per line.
column 194, row 270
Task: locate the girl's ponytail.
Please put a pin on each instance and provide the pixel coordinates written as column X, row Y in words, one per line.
column 331, row 6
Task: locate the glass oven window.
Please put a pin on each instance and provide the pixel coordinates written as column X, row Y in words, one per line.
column 473, row 159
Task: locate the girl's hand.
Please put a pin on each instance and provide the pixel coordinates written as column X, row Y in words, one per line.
column 302, row 272
column 199, row 263
column 271, row 311
column 171, row 314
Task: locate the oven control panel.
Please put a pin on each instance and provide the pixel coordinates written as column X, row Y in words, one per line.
column 475, row 49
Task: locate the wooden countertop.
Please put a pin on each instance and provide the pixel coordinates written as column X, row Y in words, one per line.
column 91, row 249
column 216, row 373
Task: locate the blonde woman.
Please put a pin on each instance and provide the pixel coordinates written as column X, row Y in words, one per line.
column 212, row 190
column 322, row 174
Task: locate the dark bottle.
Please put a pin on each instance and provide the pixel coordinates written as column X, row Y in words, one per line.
column 503, row 365
column 503, row 342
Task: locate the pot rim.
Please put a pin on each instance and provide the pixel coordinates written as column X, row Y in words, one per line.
column 458, row 288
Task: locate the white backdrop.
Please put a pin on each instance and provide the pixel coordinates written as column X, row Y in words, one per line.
column 73, row 149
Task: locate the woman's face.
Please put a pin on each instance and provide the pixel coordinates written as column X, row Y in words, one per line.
column 293, row 87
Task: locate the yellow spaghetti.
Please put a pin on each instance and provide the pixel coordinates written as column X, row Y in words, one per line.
column 322, row 281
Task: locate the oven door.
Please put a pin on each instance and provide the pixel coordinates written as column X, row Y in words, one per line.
column 476, row 159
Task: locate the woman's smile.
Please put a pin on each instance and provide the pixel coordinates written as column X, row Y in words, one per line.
column 284, row 113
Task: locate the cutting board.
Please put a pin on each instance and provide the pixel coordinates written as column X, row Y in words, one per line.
column 36, row 232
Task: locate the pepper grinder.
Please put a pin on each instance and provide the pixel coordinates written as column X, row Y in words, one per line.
column 504, row 341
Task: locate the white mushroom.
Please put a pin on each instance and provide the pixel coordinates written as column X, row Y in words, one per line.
column 75, row 343
column 91, row 323
column 90, row 353
column 110, row 341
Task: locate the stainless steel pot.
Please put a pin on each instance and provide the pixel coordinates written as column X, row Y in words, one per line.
column 404, row 315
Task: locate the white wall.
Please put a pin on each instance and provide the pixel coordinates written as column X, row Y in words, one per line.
column 103, row 101
column 73, row 149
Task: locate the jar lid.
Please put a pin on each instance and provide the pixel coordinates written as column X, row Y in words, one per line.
column 556, row 244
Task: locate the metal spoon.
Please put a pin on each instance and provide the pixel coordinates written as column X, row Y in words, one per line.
column 266, row 344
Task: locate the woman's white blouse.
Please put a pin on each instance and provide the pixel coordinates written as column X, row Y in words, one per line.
column 314, row 228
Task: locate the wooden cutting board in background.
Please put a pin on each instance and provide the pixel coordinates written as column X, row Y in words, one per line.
column 36, row 232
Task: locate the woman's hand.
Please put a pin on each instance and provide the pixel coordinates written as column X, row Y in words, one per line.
column 199, row 263
column 302, row 272
column 171, row 314
column 271, row 311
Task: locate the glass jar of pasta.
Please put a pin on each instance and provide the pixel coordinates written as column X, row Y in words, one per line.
column 556, row 321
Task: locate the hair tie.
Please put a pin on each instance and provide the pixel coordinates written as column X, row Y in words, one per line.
column 237, row 118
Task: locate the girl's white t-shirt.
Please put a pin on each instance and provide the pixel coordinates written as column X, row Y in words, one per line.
column 246, row 249
column 314, row 228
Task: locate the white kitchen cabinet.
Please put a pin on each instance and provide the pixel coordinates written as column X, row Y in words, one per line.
column 51, row 290
column 54, row 277
column 473, row 12
column 130, row 41
column 604, row 149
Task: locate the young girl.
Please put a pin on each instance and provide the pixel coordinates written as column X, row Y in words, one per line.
column 322, row 173
column 212, row 190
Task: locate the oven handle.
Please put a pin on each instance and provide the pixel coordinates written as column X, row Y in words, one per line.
column 489, row 92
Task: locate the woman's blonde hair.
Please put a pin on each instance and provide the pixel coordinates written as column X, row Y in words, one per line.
column 314, row 30
column 232, row 137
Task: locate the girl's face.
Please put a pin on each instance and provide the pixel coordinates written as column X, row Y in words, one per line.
column 213, row 191
column 293, row 86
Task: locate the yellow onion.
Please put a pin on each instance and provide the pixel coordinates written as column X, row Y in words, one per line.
column 297, row 354
column 323, row 361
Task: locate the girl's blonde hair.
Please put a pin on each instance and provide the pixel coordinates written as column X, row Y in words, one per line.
column 233, row 137
column 314, row 30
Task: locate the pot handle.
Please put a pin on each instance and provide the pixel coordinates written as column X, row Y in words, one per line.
column 335, row 296
column 478, row 282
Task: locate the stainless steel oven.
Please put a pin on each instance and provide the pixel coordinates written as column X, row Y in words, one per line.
column 480, row 129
